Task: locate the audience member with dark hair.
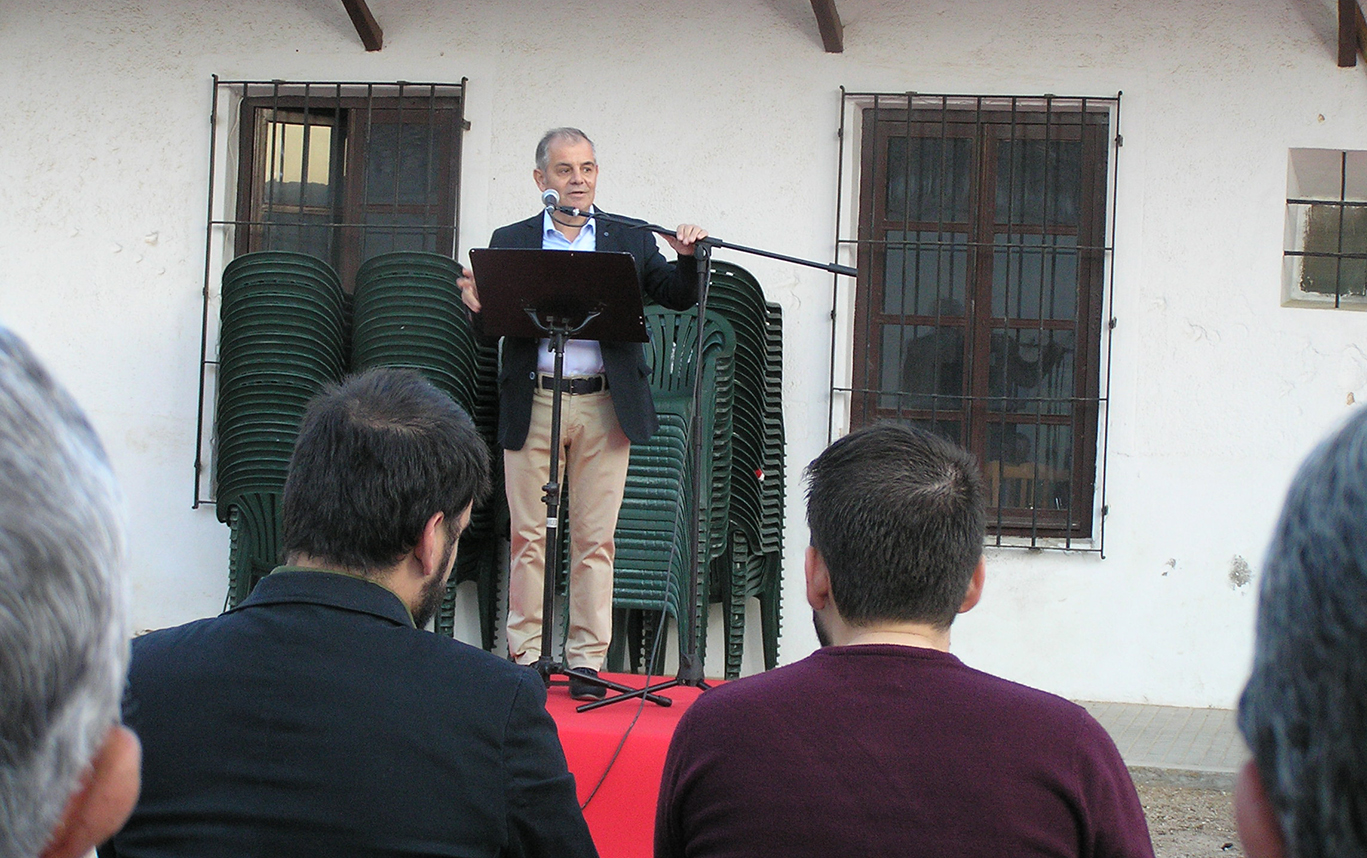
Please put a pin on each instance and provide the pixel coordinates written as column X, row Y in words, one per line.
column 881, row 742
column 68, row 769
column 1304, row 709
column 317, row 718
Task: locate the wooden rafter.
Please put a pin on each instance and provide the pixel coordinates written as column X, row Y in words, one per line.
column 828, row 22
column 1352, row 33
column 366, row 25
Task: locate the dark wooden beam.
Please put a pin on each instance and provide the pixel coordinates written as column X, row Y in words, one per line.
column 1348, row 49
column 1360, row 28
column 1352, row 33
column 832, row 31
column 371, row 34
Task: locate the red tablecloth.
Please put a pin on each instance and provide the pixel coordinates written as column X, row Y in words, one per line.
column 621, row 814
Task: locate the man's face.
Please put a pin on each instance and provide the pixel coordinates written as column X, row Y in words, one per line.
column 434, row 589
column 572, row 170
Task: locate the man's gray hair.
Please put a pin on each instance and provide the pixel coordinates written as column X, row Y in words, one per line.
column 543, row 148
column 1304, row 709
column 63, row 635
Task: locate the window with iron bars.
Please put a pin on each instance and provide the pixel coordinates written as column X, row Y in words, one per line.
column 983, row 274
column 1326, row 229
column 340, row 170
column 348, row 171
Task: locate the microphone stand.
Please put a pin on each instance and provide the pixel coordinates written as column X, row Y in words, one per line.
column 690, row 671
column 559, row 330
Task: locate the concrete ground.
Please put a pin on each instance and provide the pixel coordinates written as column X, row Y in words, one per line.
column 1187, row 747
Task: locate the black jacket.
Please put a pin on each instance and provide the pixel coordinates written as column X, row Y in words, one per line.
column 314, row 719
column 674, row 286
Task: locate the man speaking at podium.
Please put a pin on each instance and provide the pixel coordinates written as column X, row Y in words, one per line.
column 606, row 405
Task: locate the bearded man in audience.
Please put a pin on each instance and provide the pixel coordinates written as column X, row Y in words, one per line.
column 881, row 742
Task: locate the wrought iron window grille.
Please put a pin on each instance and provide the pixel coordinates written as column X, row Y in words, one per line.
column 982, row 231
column 341, row 170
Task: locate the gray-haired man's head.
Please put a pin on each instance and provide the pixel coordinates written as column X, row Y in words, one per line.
column 564, row 134
column 63, row 634
column 1304, row 710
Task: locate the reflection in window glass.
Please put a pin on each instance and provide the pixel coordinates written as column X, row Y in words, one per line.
column 1332, row 230
column 1034, row 277
column 926, row 273
column 1029, row 465
column 1031, row 371
column 297, row 200
column 400, row 167
column 926, row 364
column 1039, row 181
column 944, row 428
column 298, row 150
column 407, row 233
column 928, row 179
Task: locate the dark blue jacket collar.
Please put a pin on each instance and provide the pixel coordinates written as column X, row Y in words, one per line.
column 301, row 585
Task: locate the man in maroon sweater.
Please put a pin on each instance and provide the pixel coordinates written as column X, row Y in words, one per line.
column 882, row 743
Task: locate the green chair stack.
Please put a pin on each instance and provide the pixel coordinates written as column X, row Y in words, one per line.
column 408, row 313
column 755, row 521
column 652, row 569
column 288, row 328
column 282, row 327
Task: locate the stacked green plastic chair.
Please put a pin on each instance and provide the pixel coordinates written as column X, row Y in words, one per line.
column 282, row 334
column 408, row 313
column 652, row 569
column 754, row 554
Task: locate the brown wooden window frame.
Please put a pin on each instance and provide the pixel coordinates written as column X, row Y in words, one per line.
column 353, row 112
column 970, row 243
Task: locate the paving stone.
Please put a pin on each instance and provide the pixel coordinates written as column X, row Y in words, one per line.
column 1173, row 738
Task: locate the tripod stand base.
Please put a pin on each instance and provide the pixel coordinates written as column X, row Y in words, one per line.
column 649, row 693
column 547, row 667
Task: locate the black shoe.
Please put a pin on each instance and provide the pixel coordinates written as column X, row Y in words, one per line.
column 581, row 689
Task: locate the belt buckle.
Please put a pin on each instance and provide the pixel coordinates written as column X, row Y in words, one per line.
column 575, row 385
column 586, row 384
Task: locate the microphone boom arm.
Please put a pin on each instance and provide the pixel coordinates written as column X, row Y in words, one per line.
column 710, row 241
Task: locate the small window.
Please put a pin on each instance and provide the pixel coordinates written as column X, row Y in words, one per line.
column 1326, row 229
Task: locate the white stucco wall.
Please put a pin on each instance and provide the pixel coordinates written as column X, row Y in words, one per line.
column 725, row 113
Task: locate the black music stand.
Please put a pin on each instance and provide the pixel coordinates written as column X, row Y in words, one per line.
column 560, row 295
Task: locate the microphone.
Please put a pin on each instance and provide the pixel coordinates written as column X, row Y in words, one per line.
column 550, row 198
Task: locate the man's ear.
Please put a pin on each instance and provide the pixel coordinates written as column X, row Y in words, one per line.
column 818, row 578
column 1254, row 816
column 975, row 586
column 432, row 545
column 106, row 797
column 540, row 179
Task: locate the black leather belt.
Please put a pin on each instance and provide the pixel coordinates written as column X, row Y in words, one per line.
column 574, row 386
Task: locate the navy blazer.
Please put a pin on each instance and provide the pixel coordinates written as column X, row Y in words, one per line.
column 314, row 719
column 673, row 286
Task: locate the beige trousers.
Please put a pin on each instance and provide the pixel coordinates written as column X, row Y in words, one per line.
column 593, row 461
